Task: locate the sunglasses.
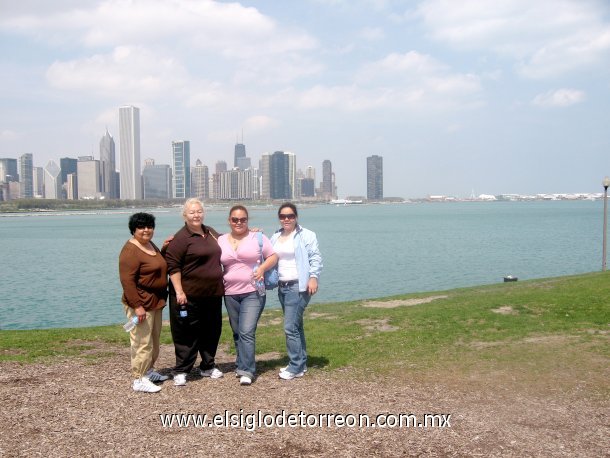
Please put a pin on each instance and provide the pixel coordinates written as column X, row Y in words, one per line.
column 236, row 220
column 287, row 216
column 144, row 227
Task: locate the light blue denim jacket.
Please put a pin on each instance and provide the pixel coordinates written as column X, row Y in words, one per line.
column 307, row 254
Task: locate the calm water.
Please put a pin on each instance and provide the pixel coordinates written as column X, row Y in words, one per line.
column 61, row 270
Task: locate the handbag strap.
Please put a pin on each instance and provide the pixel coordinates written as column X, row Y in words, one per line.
column 260, row 245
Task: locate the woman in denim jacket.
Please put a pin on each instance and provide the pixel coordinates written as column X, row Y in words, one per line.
column 299, row 267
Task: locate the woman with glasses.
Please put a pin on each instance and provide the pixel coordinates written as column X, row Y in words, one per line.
column 143, row 275
column 195, row 294
column 299, row 266
column 242, row 264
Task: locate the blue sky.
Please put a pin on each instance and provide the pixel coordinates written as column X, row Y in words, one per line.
column 503, row 96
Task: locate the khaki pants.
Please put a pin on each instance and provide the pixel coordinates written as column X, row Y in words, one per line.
column 144, row 341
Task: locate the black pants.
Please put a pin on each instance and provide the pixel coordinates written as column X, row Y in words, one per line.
column 198, row 332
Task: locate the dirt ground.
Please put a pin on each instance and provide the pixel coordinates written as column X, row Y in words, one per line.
column 80, row 407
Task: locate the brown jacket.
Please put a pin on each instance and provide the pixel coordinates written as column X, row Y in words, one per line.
column 143, row 277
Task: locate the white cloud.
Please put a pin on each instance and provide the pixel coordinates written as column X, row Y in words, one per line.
column 544, row 37
column 260, row 123
column 8, row 134
column 559, row 98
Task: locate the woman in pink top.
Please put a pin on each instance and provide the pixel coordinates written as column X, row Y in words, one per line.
column 241, row 253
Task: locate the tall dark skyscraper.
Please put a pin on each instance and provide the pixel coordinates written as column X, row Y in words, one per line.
column 26, row 176
column 374, row 177
column 279, row 176
column 240, row 153
column 327, row 185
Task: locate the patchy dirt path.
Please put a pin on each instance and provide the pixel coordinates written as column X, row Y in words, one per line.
column 81, row 408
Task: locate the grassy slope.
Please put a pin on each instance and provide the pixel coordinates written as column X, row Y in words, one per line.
column 549, row 324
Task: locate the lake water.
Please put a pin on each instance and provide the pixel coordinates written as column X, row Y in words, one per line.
column 61, row 270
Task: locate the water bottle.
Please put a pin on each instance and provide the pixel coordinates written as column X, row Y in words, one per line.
column 131, row 324
column 183, row 312
column 260, row 285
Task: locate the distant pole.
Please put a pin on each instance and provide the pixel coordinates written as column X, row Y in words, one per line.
column 605, row 184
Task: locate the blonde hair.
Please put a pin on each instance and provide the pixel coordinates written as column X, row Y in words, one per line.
column 189, row 202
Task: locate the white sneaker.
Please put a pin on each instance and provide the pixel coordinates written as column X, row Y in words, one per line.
column 145, row 385
column 285, row 375
column 284, row 369
column 245, row 380
column 212, row 373
column 180, row 379
column 154, row 376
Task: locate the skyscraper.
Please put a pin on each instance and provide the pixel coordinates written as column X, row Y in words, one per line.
column 157, row 180
column 279, row 176
column 108, row 165
column 52, row 181
column 89, row 178
column 200, row 181
column 129, row 137
column 8, row 170
column 181, row 155
column 68, row 167
column 240, row 153
column 26, row 176
column 374, row 177
column 327, row 185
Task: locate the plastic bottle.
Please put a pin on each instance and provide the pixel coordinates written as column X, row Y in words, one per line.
column 260, row 285
column 131, row 324
column 183, row 312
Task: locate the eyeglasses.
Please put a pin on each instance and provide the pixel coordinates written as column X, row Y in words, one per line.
column 287, row 216
column 235, row 220
column 145, row 227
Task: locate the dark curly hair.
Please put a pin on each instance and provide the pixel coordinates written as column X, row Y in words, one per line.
column 139, row 220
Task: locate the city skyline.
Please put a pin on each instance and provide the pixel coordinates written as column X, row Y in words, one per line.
column 498, row 97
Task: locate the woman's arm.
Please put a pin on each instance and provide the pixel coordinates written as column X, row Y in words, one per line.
column 129, row 272
column 176, row 279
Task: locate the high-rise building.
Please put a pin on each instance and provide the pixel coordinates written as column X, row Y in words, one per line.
column 38, row 182
column 157, row 180
column 374, row 177
column 8, row 170
column 237, row 184
column 240, row 153
column 181, row 155
column 221, row 166
column 279, row 176
column 307, row 187
column 52, row 181
column 68, row 167
column 108, row 165
column 129, row 139
column 26, row 176
column 327, row 190
column 89, row 183
column 200, row 181
column 264, row 167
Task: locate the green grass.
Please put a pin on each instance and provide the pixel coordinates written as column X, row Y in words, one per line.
column 465, row 329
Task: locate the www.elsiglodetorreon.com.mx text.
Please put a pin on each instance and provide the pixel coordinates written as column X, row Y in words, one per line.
column 283, row 419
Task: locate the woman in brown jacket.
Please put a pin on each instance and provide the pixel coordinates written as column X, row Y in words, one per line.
column 143, row 274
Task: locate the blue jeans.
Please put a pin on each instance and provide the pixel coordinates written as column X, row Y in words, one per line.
column 293, row 304
column 244, row 311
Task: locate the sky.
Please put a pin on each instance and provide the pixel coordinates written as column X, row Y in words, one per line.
column 458, row 97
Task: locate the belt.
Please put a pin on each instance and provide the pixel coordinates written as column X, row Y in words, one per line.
column 287, row 283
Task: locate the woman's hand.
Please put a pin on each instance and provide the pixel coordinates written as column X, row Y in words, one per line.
column 312, row 286
column 181, row 298
column 259, row 275
column 140, row 313
column 166, row 241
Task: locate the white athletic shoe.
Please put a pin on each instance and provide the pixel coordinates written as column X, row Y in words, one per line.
column 180, row 379
column 212, row 373
column 285, row 375
column 145, row 385
column 245, row 380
